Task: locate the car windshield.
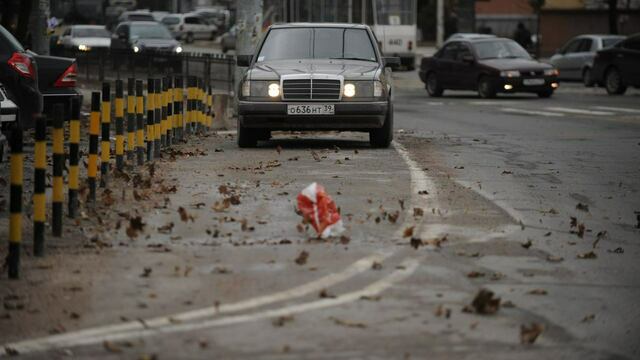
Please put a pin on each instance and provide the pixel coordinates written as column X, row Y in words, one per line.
column 91, row 32
column 170, row 20
column 317, row 43
column 141, row 17
column 500, row 49
column 151, row 31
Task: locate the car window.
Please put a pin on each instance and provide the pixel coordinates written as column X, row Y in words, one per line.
column 317, row 43
column 170, row 20
column 572, row 47
column 122, row 30
column 585, row 45
column 500, row 49
column 609, row 42
column 67, row 32
column 141, row 17
column 463, row 50
column 8, row 43
column 450, row 52
column 191, row 20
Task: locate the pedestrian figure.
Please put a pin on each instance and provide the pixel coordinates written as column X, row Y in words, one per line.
column 522, row 36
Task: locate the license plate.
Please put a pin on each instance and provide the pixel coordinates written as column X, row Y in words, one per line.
column 530, row 82
column 314, row 109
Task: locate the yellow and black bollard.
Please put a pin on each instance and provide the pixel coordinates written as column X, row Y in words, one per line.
column 178, row 94
column 190, row 103
column 211, row 114
column 139, row 123
column 151, row 103
column 94, row 129
column 199, row 105
column 170, row 116
column 105, row 149
column 74, row 155
column 119, row 112
column 39, row 184
column 58, row 166
column 163, row 112
column 157, row 128
column 131, row 119
column 15, row 203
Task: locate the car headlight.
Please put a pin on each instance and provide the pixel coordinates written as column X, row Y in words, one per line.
column 349, row 90
column 510, row 73
column 246, row 88
column 83, row 47
column 136, row 48
column 551, row 72
column 178, row 49
column 274, row 90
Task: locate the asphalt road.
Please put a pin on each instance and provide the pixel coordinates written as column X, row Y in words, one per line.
column 495, row 182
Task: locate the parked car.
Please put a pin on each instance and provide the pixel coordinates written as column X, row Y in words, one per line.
column 85, row 38
column 134, row 15
column 189, row 27
column 34, row 82
column 228, row 39
column 218, row 16
column 488, row 65
column 574, row 60
column 8, row 116
column 316, row 77
column 141, row 36
column 618, row 67
column 468, row 36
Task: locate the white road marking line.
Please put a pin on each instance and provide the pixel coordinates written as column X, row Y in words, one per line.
column 354, row 269
column 618, row 109
column 435, row 103
column 579, row 111
column 419, row 182
column 486, row 103
column 409, row 267
column 531, row 112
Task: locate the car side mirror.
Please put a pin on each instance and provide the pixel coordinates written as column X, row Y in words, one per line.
column 391, row 61
column 469, row 59
column 244, row 60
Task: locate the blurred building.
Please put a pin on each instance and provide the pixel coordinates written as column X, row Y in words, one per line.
column 501, row 17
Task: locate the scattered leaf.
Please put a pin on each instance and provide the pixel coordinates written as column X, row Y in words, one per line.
column 281, row 320
column 529, row 334
column 527, row 244
column 555, row 259
column 347, row 323
column 135, row 226
column 484, row 303
column 588, row 255
column 408, row 232
column 324, row 294
column 418, row 212
column 582, row 207
column 166, row 229
column 184, row 215
column 416, row 243
column 475, row 274
column 146, row 272
column 537, row 292
column 302, row 258
column 588, row 318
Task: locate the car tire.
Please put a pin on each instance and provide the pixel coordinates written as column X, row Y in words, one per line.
column 486, row 90
column 382, row 137
column 434, row 89
column 213, row 36
column 613, row 82
column 189, row 38
column 246, row 137
column 587, row 78
column 545, row 94
column 224, row 50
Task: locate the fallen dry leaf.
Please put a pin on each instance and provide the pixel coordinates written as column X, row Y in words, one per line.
column 408, row 232
column 588, row 318
column 302, row 258
column 483, row 303
column 325, row 294
column 553, row 258
column 527, row 244
column 418, row 212
column 415, row 242
column 146, row 272
column 348, row 323
column 529, row 334
column 111, row 347
column 588, row 255
column 582, row 207
column 135, row 226
column 475, row 274
column 281, row 320
column 166, row 229
column 344, row 239
column 184, row 215
column 537, row 292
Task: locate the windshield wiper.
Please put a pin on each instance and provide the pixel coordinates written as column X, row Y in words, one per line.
column 351, row 58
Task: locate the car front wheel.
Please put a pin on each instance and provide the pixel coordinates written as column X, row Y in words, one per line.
column 587, row 78
column 434, row 89
column 486, row 90
column 246, row 137
column 613, row 82
column 382, row 137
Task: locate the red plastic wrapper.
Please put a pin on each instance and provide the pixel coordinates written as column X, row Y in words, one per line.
column 320, row 210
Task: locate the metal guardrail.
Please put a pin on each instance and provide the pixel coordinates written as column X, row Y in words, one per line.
column 217, row 70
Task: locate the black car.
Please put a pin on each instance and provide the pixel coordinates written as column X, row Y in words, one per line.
column 316, row 77
column 618, row 67
column 488, row 65
column 147, row 41
column 34, row 82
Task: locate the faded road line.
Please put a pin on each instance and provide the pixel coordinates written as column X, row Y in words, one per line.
column 618, row 109
column 531, row 112
column 407, row 269
column 579, row 111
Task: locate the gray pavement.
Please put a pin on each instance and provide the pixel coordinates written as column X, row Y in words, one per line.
column 496, row 183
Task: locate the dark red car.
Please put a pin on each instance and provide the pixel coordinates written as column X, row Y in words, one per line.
column 488, row 65
column 618, row 67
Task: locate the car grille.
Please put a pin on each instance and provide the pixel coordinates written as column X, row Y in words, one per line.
column 531, row 73
column 311, row 89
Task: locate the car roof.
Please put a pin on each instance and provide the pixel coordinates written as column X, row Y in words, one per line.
column 140, row 23
column 321, row 25
column 480, row 39
column 88, row 26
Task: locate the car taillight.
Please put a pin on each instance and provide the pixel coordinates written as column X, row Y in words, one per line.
column 68, row 77
column 22, row 64
column 410, row 45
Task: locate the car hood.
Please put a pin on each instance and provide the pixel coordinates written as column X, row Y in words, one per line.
column 515, row 64
column 157, row 43
column 350, row 69
column 92, row 41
